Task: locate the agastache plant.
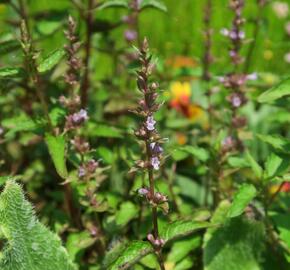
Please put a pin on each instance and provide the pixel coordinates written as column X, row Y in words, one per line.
column 235, row 81
column 148, row 133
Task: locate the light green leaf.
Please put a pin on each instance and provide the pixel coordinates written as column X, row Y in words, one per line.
column 114, row 4
column 276, row 165
column 198, row 152
column 51, row 61
column 57, row 147
column 102, row 130
column 153, row 4
column 254, row 165
column 29, row 244
column 132, row 254
column 277, row 142
column 242, row 198
column 11, row 72
column 181, row 228
column 276, row 92
column 128, row 211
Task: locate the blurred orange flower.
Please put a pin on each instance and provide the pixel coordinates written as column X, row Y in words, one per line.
column 285, row 188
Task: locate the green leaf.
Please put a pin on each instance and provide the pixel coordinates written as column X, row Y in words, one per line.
column 199, row 153
column 277, row 142
column 282, row 222
column 57, row 147
column 9, row 46
column 113, row 4
column 242, row 198
column 102, row 130
column 276, row 165
column 77, row 243
column 237, row 245
column 134, row 251
column 29, row 244
column 254, row 165
column 153, row 4
column 11, row 72
column 276, row 92
column 181, row 228
column 128, row 211
column 51, row 60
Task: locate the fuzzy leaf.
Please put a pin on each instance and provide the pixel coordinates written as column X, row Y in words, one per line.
column 181, row 228
column 29, row 245
column 153, row 4
column 114, row 3
column 236, row 245
column 276, row 92
column 56, row 147
column 132, row 254
column 242, row 198
column 51, row 60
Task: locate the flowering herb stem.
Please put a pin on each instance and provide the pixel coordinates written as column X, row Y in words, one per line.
column 88, row 47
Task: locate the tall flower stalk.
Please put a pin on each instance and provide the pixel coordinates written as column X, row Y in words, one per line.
column 152, row 140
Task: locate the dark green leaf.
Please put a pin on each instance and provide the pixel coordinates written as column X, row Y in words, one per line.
column 277, row 142
column 11, row 73
column 57, row 147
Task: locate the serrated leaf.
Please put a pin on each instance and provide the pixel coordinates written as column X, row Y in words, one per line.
column 29, row 244
column 277, row 142
column 57, row 147
column 114, row 3
column 11, row 72
column 236, row 245
column 254, row 165
column 242, row 198
column 134, row 251
column 153, row 4
column 276, row 92
column 181, row 228
column 51, row 61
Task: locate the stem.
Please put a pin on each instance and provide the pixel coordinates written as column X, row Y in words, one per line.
column 154, row 207
column 88, row 44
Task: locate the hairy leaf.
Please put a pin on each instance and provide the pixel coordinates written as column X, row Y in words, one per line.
column 181, row 228
column 56, row 147
column 29, row 245
column 242, row 198
column 133, row 253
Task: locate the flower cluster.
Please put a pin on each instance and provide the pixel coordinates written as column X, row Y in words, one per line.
column 131, row 33
column 148, row 133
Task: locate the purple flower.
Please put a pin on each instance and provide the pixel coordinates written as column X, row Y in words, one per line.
column 150, row 123
column 130, row 35
column 236, row 101
column 143, row 191
column 242, row 35
column 81, row 172
column 156, row 148
column 80, row 116
column 155, row 162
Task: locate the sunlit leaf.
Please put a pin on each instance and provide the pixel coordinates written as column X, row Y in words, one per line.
column 51, row 61
column 242, row 198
